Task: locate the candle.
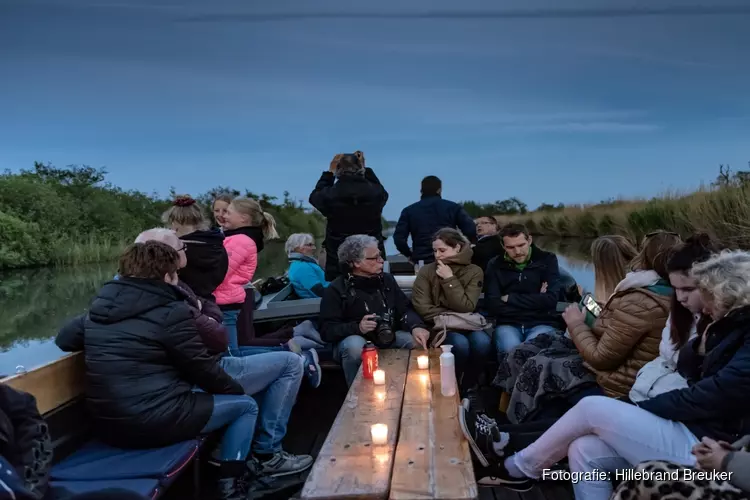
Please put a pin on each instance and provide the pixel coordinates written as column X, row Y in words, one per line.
column 378, row 377
column 423, row 362
column 379, row 433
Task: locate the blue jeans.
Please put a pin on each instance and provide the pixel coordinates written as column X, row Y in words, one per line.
column 273, row 379
column 238, row 414
column 348, row 352
column 509, row 336
column 230, row 323
column 471, row 350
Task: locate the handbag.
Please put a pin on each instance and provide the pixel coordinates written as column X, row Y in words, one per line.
column 453, row 321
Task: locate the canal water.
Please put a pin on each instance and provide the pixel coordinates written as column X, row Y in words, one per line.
column 37, row 302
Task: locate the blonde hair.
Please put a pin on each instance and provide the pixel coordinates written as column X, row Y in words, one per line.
column 610, row 255
column 225, row 197
column 185, row 211
column 726, row 277
column 251, row 208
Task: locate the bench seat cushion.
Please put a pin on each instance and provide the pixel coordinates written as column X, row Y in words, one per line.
column 96, row 461
column 147, row 488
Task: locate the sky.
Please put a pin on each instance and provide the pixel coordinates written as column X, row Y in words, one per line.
column 515, row 98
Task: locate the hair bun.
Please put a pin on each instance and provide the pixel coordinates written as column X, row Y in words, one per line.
column 183, row 201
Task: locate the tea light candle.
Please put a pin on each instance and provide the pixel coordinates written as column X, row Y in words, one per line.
column 423, row 362
column 379, row 433
column 378, row 376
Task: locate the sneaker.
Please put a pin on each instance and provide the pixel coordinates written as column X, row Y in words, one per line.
column 312, row 368
column 481, row 431
column 497, row 475
column 284, row 464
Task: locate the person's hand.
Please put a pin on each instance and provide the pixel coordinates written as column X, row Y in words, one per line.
column 544, row 288
column 443, row 271
column 573, row 316
column 335, row 163
column 421, row 336
column 710, row 454
column 368, row 323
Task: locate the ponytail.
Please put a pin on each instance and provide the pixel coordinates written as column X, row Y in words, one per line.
column 269, row 227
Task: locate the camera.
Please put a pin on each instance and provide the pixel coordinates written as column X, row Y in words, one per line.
column 383, row 332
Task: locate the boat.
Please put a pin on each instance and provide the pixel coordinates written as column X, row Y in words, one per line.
column 58, row 387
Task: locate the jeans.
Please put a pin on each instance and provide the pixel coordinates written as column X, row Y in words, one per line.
column 509, row 336
column 273, row 379
column 606, row 434
column 348, row 352
column 230, row 323
column 471, row 350
column 238, row 414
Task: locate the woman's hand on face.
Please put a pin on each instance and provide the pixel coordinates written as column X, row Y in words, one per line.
column 443, row 271
column 710, row 454
column 573, row 316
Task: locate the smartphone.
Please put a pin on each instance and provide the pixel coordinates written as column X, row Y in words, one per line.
column 591, row 306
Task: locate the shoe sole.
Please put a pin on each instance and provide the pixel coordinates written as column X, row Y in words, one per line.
column 316, row 364
column 288, row 473
column 490, row 482
column 462, row 409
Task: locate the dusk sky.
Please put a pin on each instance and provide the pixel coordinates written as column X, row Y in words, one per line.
column 542, row 106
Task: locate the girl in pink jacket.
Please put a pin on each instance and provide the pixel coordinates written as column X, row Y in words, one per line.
column 246, row 226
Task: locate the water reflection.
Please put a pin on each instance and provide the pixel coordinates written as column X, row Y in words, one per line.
column 35, row 303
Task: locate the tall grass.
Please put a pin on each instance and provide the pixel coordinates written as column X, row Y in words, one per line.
column 722, row 212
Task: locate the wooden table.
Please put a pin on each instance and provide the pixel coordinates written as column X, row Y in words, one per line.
column 426, row 455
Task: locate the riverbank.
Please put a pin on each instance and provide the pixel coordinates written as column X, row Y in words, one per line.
column 71, row 216
column 723, row 212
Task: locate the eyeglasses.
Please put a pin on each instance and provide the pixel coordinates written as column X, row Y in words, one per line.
column 183, row 248
column 379, row 258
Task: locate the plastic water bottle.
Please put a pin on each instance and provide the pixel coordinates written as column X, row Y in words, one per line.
column 447, row 371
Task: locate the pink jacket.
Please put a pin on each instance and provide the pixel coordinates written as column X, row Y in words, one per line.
column 243, row 259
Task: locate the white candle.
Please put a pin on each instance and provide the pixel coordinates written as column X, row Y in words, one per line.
column 378, row 376
column 423, row 362
column 379, row 433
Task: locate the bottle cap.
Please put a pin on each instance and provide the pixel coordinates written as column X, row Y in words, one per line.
column 446, row 347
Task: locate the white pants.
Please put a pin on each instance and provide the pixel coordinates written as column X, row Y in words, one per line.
column 604, row 434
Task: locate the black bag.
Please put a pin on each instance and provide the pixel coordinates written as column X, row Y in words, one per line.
column 273, row 285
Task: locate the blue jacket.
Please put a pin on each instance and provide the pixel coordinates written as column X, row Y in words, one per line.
column 423, row 219
column 306, row 276
column 717, row 401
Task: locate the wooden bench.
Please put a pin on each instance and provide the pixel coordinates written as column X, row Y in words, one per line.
column 426, row 455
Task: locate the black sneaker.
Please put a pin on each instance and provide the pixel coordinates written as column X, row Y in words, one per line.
column 497, row 475
column 482, row 433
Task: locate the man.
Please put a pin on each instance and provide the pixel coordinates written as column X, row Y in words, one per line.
column 366, row 305
column 351, row 198
column 522, row 289
column 422, row 220
column 488, row 244
column 277, row 375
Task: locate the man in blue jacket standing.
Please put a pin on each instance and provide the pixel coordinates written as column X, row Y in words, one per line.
column 423, row 219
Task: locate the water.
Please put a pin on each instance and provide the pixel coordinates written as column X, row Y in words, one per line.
column 36, row 303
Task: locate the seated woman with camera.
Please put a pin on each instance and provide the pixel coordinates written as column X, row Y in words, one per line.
column 445, row 294
column 364, row 305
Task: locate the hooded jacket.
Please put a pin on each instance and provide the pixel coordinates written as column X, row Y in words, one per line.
column 432, row 295
column 207, row 262
column 143, row 359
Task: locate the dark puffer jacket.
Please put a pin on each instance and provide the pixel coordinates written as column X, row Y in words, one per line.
column 207, row 262
column 717, row 402
column 423, row 219
column 349, row 298
column 352, row 205
column 143, row 359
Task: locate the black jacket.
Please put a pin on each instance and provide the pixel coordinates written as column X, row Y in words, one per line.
column 423, row 219
column 207, row 262
column 24, row 440
column 143, row 359
column 717, row 402
column 352, row 205
column 486, row 249
column 349, row 298
column 526, row 305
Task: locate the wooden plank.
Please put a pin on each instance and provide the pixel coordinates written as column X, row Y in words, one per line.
column 348, row 466
column 53, row 384
column 432, row 456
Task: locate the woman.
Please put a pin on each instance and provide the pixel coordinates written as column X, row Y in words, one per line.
column 453, row 284
column 305, row 274
column 207, row 260
column 605, row 434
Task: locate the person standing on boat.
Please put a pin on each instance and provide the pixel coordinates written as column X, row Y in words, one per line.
column 422, row 220
column 351, row 198
column 305, row 274
column 489, row 245
column 366, row 305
